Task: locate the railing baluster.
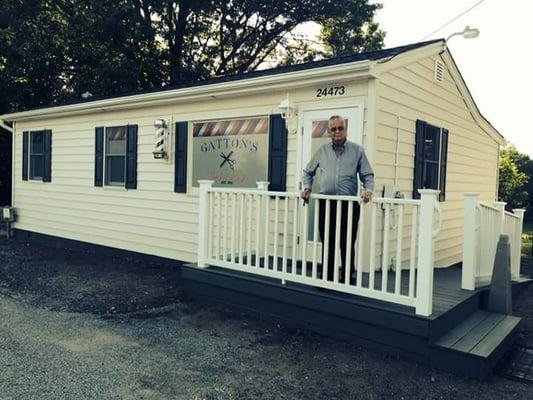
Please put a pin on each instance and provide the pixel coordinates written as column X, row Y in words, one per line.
column 276, row 228
column 315, row 241
column 349, row 248
column 233, row 225
column 360, row 248
column 385, row 252
column 285, row 233
column 267, row 230
column 241, row 229
column 257, row 229
column 249, row 233
column 294, row 236
column 225, row 246
column 412, row 264
column 219, row 224
column 399, row 234
column 325, row 263
column 210, row 241
column 337, row 241
column 305, row 217
column 372, row 271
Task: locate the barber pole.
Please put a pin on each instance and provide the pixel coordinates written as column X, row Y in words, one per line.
column 161, row 136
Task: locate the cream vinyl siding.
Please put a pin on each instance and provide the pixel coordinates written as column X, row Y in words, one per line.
column 410, row 92
column 151, row 219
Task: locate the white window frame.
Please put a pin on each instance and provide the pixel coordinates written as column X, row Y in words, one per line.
column 106, row 182
column 30, row 153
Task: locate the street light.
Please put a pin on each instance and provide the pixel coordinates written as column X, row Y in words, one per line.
column 467, row 33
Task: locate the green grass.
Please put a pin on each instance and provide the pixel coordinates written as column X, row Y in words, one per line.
column 527, row 239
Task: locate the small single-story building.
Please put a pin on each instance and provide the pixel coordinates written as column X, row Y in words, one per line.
column 124, row 172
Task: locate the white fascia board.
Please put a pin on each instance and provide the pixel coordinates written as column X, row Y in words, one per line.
column 389, row 63
column 463, row 89
column 281, row 81
column 5, row 126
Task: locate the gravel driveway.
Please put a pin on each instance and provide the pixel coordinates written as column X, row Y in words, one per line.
column 80, row 326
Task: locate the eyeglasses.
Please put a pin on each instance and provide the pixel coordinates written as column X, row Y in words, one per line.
column 337, row 129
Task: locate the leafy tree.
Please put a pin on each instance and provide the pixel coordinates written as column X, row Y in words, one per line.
column 516, row 173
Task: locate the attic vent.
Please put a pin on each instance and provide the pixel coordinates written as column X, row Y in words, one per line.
column 439, row 71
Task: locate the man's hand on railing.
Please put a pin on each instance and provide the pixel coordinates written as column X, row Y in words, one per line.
column 305, row 194
column 366, row 196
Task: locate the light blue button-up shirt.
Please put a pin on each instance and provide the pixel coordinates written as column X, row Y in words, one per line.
column 340, row 169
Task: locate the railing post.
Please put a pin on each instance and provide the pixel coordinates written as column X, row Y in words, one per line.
column 500, row 205
column 203, row 222
column 515, row 269
column 424, row 286
column 468, row 281
column 262, row 186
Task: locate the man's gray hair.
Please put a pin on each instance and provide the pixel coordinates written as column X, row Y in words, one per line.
column 336, row 117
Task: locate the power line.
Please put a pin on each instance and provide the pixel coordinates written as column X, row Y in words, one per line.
column 453, row 19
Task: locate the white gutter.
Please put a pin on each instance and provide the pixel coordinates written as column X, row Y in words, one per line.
column 280, row 81
column 5, row 126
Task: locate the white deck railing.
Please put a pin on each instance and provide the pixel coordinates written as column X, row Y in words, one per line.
column 483, row 226
column 268, row 233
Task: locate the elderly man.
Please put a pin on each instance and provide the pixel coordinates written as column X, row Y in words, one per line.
column 341, row 162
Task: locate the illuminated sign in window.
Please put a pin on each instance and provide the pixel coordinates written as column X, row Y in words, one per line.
column 233, row 153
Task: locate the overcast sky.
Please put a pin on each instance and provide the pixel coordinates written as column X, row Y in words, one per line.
column 497, row 66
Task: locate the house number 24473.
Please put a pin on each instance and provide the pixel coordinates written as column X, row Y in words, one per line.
column 330, row 91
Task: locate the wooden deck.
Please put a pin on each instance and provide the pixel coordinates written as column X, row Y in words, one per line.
column 375, row 324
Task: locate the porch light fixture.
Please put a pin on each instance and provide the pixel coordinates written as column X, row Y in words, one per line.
column 289, row 113
column 467, row 33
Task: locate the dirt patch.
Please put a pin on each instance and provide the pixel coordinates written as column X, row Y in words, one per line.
column 86, row 282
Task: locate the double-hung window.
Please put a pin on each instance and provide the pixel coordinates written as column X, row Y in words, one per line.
column 37, row 155
column 115, row 156
column 431, row 153
column 115, row 161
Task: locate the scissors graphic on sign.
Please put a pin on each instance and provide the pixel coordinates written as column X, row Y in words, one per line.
column 227, row 159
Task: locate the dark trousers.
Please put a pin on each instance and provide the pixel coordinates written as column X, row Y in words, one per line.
column 343, row 237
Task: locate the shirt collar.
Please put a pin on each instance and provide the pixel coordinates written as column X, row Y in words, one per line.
column 342, row 147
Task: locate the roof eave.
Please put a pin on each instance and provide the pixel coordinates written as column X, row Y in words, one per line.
column 289, row 80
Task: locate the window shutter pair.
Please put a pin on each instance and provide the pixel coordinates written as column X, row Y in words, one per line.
column 419, row 163
column 131, row 157
column 47, row 155
column 277, row 160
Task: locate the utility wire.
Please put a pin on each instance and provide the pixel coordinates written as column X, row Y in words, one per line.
column 453, row 19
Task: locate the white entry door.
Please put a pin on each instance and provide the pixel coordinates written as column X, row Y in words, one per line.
column 315, row 133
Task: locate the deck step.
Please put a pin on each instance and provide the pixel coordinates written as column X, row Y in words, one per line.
column 475, row 346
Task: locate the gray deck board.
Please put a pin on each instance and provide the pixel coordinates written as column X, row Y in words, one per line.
column 496, row 336
column 478, row 333
column 462, row 329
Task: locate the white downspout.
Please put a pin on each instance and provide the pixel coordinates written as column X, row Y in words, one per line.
column 5, row 126
column 397, row 155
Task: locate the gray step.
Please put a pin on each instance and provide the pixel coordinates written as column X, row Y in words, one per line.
column 477, row 344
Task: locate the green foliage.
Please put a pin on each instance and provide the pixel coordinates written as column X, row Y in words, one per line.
column 56, row 50
column 516, row 180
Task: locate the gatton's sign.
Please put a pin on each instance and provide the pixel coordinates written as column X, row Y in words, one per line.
column 231, row 153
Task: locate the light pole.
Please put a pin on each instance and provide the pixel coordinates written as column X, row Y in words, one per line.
column 467, row 33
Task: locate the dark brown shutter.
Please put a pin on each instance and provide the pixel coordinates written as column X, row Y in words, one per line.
column 25, row 138
column 277, row 154
column 180, row 154
column 131, row 157
column 99, row 156
column 418, row 173
column 47, row 156
column 443, row 164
